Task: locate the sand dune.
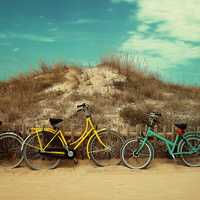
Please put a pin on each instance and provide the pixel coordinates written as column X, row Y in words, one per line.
column 164, row 180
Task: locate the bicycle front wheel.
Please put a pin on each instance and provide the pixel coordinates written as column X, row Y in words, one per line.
column 109, row 155
column 10, row 150
column 33, row 156
column 190, row 151
column 134, row 160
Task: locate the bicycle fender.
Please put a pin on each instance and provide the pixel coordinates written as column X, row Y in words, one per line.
column 88, row 143
column 193, row 133
column 186, row 136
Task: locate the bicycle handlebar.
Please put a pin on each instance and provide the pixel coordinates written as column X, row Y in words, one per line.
column 153, row 118
column 81, row 105
column 85, row 108
column 154, row 114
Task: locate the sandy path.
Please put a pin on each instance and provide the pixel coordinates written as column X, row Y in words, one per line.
column 164, row 180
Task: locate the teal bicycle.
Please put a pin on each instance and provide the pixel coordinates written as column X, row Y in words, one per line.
column 138, row 153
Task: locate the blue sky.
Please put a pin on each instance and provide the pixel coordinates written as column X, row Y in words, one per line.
column 165, row 36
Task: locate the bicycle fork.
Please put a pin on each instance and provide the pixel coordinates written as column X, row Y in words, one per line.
column 138, row 150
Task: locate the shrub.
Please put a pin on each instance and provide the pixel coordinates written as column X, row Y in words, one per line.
column 132, row 116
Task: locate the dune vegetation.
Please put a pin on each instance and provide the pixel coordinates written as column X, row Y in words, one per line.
column 118, row 91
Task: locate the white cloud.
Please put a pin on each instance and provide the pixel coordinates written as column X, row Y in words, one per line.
column 26, row 36
column 31, row 37
column 84, row 21
column 15, row 49
column 176, row 27
column 143, row 28
column 50, row 23
column 54, row 29
column 37, row 38
column 179, row 18
column 161, row 52
column 120, row 1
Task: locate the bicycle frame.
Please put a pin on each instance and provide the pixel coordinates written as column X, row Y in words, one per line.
column 89, row 130
column 171, row 145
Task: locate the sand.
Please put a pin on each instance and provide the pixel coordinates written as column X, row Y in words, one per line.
column 164, row 180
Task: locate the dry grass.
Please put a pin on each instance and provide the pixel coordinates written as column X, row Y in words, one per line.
column 145, row 83
column 140, row 85
column 24, row 96
column 138, row 81
column 20, row 95
column 132, row 116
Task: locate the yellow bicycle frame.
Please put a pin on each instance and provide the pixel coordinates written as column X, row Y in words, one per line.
column 89, row 128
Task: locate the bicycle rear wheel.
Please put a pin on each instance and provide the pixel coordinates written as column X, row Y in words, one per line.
column 33, row 156
column 193, row 159
column 10, row 150
column 102, row 156
column 133, row 161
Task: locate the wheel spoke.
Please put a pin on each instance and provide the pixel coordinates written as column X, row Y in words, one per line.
column 10, row 150
column 132, row 161
column 100, row 150
column 34, row 147
column 106, row 156
column 32, row 154
column 191, row 146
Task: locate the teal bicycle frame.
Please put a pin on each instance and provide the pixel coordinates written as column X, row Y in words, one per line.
column 171, row 145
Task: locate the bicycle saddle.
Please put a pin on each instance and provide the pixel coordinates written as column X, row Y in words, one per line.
column 54, row 121
column 181, row 126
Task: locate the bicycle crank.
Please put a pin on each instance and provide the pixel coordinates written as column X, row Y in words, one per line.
column 70, row 154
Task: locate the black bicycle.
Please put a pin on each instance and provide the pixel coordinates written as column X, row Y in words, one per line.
column 10, row 149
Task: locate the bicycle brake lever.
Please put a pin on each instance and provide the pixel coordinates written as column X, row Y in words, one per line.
column 81, row 105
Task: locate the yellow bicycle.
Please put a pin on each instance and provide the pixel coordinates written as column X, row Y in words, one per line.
column 47, row 146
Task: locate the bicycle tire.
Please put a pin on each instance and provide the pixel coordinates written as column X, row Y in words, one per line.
column 189, row 160
column 10, row 150
column 31, row 151
column 104, row 157
column 125, row 155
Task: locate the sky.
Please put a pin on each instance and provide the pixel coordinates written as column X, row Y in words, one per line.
column 165, row 35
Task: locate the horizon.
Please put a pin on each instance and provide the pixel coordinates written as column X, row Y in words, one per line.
column 165, row 36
